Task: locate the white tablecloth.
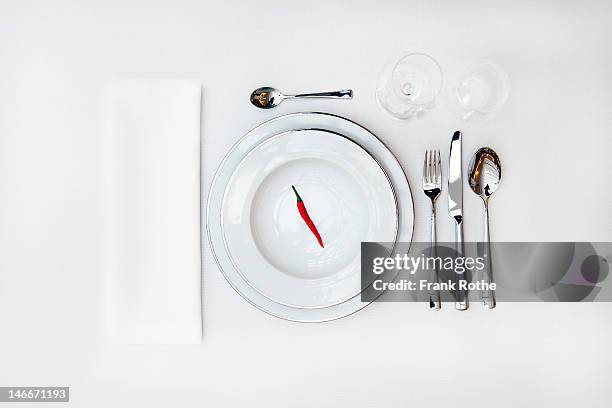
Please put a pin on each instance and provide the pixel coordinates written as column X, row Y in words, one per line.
column 557, row 124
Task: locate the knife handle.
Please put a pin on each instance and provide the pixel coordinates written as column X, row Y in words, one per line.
column 461, row 301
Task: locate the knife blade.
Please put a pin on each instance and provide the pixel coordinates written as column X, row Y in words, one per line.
column 455, row 208
column 455, row 179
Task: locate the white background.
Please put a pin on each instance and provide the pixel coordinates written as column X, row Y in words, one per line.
column 554, row 138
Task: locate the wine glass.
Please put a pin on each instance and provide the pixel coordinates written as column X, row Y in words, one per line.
column 409, row 86
column 481, row 89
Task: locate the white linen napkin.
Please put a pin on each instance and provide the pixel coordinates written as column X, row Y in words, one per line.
column 153, row 211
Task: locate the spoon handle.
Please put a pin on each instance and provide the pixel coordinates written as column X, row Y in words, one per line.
column 344, row 94
column 487, row 296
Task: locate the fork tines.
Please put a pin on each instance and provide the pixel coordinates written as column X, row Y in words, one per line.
column 432, row 171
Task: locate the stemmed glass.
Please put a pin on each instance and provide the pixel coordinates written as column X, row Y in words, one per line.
column 409, row 86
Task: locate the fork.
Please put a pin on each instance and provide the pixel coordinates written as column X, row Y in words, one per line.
column 432, row 186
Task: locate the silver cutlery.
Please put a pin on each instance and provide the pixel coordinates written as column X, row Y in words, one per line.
column 455, row 208
column 484, row 176
column 432, row 186
column 267, row 97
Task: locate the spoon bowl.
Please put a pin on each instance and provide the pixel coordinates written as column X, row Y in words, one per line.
column 485, row 173
column 266, row 97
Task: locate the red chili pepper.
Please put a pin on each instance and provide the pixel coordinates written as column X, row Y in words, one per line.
column 302, row 209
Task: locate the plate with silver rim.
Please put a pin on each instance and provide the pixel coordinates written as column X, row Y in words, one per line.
column 354, row 190
column 347, row 198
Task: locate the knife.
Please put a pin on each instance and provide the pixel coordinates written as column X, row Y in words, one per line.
column 455, row 208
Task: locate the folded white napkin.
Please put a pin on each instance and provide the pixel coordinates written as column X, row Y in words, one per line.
column 153, row 211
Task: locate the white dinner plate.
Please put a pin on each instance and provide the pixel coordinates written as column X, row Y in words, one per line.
column 271, row 129
column 347, row 195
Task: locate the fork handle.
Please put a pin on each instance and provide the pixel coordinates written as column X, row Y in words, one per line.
column 434, row 295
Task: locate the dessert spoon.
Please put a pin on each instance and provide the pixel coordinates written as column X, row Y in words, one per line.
column 485, row 174
column 266, row 97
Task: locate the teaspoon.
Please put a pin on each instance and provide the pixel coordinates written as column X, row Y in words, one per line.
column 484, row 176
column 266, row 97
